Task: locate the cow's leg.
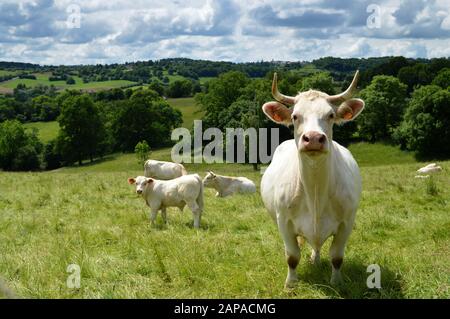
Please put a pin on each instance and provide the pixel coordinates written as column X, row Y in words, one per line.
column 196, row 212
column 337, row 252
column 292, row 251
column 153, row 214
column 164, row 215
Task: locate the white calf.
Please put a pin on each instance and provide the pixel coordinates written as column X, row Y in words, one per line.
column 178, row 192
column 226, row 185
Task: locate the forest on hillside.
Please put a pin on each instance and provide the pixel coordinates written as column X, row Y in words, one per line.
column 407, row 104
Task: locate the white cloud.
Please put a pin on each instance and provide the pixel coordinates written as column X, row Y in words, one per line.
column 236, row 30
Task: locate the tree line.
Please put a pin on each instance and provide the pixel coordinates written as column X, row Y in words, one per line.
column 90, row 128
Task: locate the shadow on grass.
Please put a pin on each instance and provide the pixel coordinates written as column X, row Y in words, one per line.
column 87, row 163
column 354, row 284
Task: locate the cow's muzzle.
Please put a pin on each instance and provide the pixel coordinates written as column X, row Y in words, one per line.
column 313, row 142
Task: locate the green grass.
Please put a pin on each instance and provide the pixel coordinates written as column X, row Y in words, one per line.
column 90, row 216
column 188, row 108
column 42, row 79
column 380, row 154
column 46, row 130
column 5, row 72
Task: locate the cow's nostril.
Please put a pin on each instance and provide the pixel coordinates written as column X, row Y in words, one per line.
column 322, row 139
column 305, row 138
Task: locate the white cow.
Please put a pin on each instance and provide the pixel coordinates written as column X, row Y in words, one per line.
column 227, row 185
column 312, row 186
column 163, row 170
column 177, row 192
column 430, row 169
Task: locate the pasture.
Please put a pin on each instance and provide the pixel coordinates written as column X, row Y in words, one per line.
column 90, row 216
column 43, row 79
column 46, row 130
column 188, row 108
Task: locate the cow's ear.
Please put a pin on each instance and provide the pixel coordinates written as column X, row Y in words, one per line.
column 149, row 180
column 278, row 113
column 131, row 181
column 350, row 109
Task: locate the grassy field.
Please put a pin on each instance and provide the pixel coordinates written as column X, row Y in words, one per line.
column 90, row 216
column 46, row 130
column 188, row 108
column 42, row 79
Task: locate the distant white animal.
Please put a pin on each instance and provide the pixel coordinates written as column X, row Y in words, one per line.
column 227, row 185
column 312, row 187
column 177, row 192
column 430, row 169
column 163, row 170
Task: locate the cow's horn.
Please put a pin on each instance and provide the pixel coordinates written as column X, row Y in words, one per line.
column 278, row 96
column 347, row 94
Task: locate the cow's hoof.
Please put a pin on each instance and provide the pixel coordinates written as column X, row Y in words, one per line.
column 336, row 279
column 291, row 283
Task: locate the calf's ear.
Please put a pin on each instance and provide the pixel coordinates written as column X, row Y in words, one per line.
column 277, row 112
column 350, row 109
column 131, row 181
column 149, row 180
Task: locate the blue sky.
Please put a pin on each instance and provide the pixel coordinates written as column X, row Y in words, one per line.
column 117, row 31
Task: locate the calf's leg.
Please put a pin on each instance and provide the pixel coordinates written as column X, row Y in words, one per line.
column 164, row 215
column 196, row 212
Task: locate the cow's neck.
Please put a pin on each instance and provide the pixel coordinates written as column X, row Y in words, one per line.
column 316, row 176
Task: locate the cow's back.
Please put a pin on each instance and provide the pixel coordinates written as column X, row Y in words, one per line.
column 163, row 170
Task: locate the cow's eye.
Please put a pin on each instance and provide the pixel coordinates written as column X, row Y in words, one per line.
column 331, row 116
column 294, row 117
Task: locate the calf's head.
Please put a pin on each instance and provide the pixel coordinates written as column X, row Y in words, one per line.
column 141, row 183
column 313, row 115
column 210, row 179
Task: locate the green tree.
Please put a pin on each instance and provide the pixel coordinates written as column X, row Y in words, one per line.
column 19, row 149
column 82, row 129
column 426, row 125
column 142, row 151
column 179, row 88
column 145, row 116
column 44, row 108
column 70, row 80
column 415, row 75
column 222, row 92
column 321, row 81
column 385, row 100
column 443, row 78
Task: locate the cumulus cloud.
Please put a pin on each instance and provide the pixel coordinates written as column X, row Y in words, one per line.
column 236, row 30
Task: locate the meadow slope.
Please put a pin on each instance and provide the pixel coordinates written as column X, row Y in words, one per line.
column 90, row 216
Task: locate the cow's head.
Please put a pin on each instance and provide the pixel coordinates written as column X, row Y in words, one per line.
column 210, row 179
column 141, row 182
column 313, row 115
